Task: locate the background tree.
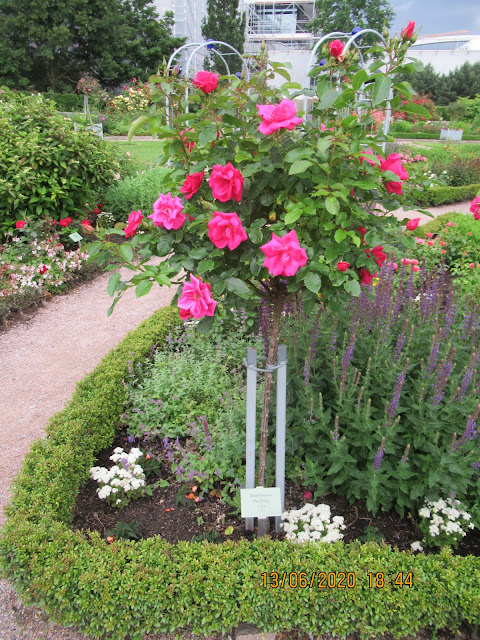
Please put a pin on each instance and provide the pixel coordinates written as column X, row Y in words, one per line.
column 223, row 22
column 45, row 44
column 343, row 15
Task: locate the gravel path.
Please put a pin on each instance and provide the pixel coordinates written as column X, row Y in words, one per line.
column 41, row 360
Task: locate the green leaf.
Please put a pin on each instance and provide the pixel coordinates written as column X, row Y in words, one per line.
column 298, row 154
column 405, row 88
column 372, row 239
column 208, row 134
column 205, row 265
column 164, row 245
column 229, row 531
column 136, row 125
column 332, row 205
column 235, row 285
column 411, row 107
column 324, row 143
column 205, row 324
column 299, row 167
column 112, row 306
column 113, row 283
column 328, row 99
column 255, row 235
column 340, row 235
column 358, row 79
column 409, row 242
column 125, row 251
column 381, row 89
column 143, row 288
column 353, row 287
column 313, row 282
column 293, row 215
column 198, row 253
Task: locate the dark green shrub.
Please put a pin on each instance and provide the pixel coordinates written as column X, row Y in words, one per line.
column 66, row 101
column 128, row 589
column 45, row 167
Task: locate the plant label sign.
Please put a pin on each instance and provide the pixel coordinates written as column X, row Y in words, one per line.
column 76, row 237
column 261, row 502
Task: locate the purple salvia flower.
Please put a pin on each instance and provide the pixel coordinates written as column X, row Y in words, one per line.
column 467, row 376
column 400, row 341
column 442, row 378
column 379, row 456
column 433, row 357
column 336, row 433
column 333, row 335
column 312, row 349
column 347, row 358
column 470, row 432
column 405, row 455
column 130, row 439
column 208, row 437
column 476, row 465
column 396, row 394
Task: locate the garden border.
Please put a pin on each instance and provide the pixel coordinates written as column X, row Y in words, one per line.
column 128, row 589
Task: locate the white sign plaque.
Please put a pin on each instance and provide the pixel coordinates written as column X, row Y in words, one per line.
column 261, row 502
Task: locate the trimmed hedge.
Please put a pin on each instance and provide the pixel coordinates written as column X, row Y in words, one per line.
column 401, row 135
column 127, row 589
column 437, row 196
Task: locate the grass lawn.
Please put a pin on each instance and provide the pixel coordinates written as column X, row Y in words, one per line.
column 142, row 152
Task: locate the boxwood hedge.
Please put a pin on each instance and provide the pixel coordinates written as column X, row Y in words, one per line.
column 436, row 196
column 128, row 589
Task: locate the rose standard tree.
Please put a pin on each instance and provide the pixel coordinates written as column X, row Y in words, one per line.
column 261, row 204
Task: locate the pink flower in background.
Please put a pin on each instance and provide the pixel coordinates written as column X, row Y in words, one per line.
column 369, row 160
column 430, row 243
column 416, row 267
column 444, row 244
column 188, row 144
column 167, row 212
column 469, row 233
column 472, row 265
column 336, row 49
column 420, row 240
column 429, row 235
column 393, row 163
column 278, row 116
column 474, row 207
column 284, row 256
column 117, row 176
column 20, row 224
column 206, row 81
column 226, row 182
column 134, row 221
column 413, row 224
column 393, row 264
column 450, row 224
column 407, row 32
column 343, row 266
column 226, row 229
column 192, row 184
column 307, row 495
column 443, row 251
column 196, row 298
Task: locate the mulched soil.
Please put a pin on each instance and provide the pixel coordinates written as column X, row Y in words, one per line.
column 170, row 514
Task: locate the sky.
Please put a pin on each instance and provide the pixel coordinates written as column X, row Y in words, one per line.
column 437, row 16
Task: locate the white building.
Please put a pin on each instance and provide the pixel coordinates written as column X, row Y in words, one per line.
column 446, row 53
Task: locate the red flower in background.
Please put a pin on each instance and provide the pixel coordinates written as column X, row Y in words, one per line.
column 377, row 254
column 64, row 222
column 20, row 224
column 192, row 184
column 343, row 266
column 366, row 277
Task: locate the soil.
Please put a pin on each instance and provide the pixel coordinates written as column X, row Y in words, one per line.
column 175, row 517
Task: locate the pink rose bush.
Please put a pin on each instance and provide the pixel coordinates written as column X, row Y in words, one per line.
column 226, row 183
column 475, row 207
column 192, row 184
column 394, row 164
column 206, row 81
column 196, row 299
column 167, row 212
column 284, row 256
column 279, row 116
column 134, row 221
column 226, row 230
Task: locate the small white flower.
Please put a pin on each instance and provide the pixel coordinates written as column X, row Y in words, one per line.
column 416, row 546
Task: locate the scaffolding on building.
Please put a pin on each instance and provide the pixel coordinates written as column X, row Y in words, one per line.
column 282, row 24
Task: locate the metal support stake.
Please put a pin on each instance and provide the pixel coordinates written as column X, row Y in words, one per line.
column 251, row 426
column 281, row 420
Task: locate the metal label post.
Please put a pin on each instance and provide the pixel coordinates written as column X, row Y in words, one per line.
column 252, row 371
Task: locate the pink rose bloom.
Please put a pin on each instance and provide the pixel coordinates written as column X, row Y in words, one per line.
column 472, row 265
column 20, row 224
column 475, row 205
column 226, row 183
column 406, row 261
column 420, row 240
column 476, row 216
column 192, row 184
column 407, row 32
column 343, row 266
column 413, row 224
column 134, row 221
column 443, row 251
column 430, row 243
column 429, row 235
column 369, row 160
column 450, row 224
column 393, row 163
column 167, row 212
column 206, row 81
column 278, row 116
column 284, row 256
column 196, row 299
column 336, row 48
column 188, row 144
column 393, row 264
column 226, row 229
column 416, row 267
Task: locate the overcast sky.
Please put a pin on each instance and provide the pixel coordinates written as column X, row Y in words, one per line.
column 438, row 16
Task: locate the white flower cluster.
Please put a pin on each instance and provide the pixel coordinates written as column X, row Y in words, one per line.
column 445, row 521
column 124, row 481
column 312, row 523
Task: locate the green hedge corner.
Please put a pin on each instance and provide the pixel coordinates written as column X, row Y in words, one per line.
column 128, row 589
